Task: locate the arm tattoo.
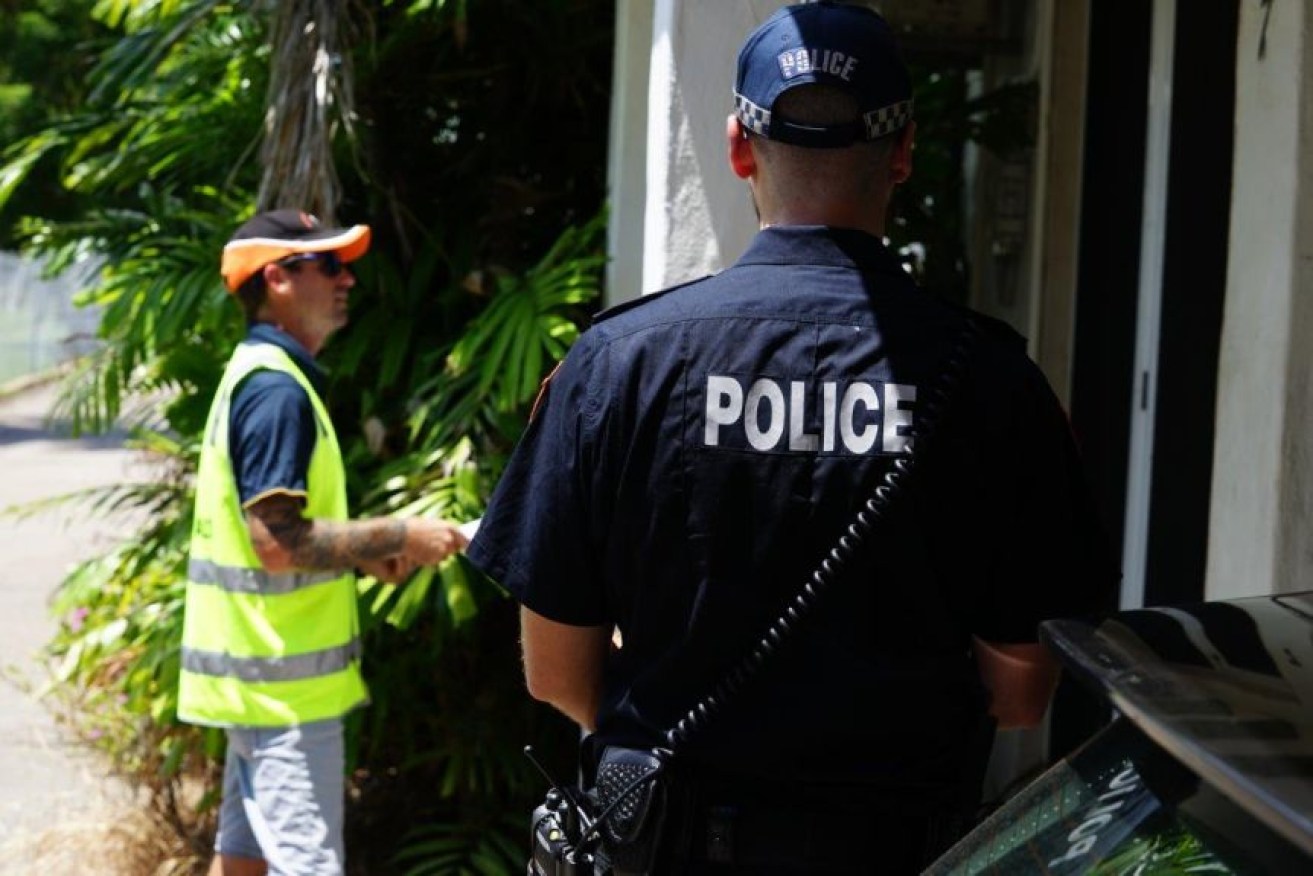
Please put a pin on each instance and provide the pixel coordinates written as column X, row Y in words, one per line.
column 277, row 522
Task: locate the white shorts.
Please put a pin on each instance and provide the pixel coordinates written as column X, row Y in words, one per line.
column 283, row 793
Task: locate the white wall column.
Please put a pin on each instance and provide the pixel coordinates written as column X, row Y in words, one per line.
column 1261, row 529
column 699, row 216
column 1148, row 317
column 1057, row 201
column 626, row 171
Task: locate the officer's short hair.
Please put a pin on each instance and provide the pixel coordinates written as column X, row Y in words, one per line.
column 820, row 106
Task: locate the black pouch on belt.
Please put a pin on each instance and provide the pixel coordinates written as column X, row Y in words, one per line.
column 633, row 795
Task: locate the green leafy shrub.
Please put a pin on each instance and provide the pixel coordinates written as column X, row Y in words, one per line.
column 487, row 257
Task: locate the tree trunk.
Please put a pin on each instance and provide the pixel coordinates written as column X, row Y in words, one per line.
column 310, row 96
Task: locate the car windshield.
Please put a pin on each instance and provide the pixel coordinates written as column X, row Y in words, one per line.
column 1120, row 805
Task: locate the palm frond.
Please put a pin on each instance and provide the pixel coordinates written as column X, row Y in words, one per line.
column 529, row 321
column 449, row 848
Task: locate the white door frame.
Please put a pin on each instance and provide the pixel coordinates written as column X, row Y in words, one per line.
column 1148, row 322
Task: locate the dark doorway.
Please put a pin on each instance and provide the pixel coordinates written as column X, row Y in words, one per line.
column 1104, row 385
column 1194, row 288
column 1112, row 195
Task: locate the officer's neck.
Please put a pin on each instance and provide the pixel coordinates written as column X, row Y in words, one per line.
column 775, row 209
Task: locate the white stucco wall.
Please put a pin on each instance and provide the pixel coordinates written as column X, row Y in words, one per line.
column 699, row 216
column 627, row 150
column 668, row 142
column 1261, row 529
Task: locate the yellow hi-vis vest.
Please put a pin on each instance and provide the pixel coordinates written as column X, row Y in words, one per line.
column 261, row 649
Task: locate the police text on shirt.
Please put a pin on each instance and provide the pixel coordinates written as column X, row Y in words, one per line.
column 771, row 415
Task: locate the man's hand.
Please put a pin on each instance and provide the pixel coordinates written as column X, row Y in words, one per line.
column 1020, row 679
column 429, row 542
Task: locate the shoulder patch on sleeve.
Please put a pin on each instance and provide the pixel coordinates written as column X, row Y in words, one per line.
column 542, row 392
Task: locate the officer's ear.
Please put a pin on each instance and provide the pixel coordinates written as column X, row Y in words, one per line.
column 900, row 160
column 742, row 160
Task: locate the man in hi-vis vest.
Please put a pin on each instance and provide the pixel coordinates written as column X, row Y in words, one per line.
column 270, row 643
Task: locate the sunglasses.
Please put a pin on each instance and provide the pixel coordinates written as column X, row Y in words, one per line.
column 329, row 263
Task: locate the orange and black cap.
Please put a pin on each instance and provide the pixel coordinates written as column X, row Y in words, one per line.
column 268, row 237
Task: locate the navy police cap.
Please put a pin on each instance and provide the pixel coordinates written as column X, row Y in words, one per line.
column 847, row 46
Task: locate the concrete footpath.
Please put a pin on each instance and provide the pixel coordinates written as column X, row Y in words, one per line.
column 50, row 786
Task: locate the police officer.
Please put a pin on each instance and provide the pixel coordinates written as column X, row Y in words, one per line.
column 701, row 450
column 270, row 643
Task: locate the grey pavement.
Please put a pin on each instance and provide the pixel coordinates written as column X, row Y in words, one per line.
column 47, row 781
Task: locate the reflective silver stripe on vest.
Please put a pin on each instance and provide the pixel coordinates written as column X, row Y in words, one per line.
column 253, row 669
column 236, row 579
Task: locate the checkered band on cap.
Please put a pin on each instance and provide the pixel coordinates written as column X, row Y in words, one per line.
column 878, row 123
column 755, row 118
column 887, row 119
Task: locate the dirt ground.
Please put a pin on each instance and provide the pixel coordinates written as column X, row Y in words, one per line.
column 60, row 813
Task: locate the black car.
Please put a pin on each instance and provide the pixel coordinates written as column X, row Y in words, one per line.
column 1206, row 768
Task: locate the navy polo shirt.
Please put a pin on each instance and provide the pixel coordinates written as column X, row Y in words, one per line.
column 699, row 452
column 271, row 423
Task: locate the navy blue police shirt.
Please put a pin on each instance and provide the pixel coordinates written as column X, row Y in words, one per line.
column 700, row 450
column 271, row 423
